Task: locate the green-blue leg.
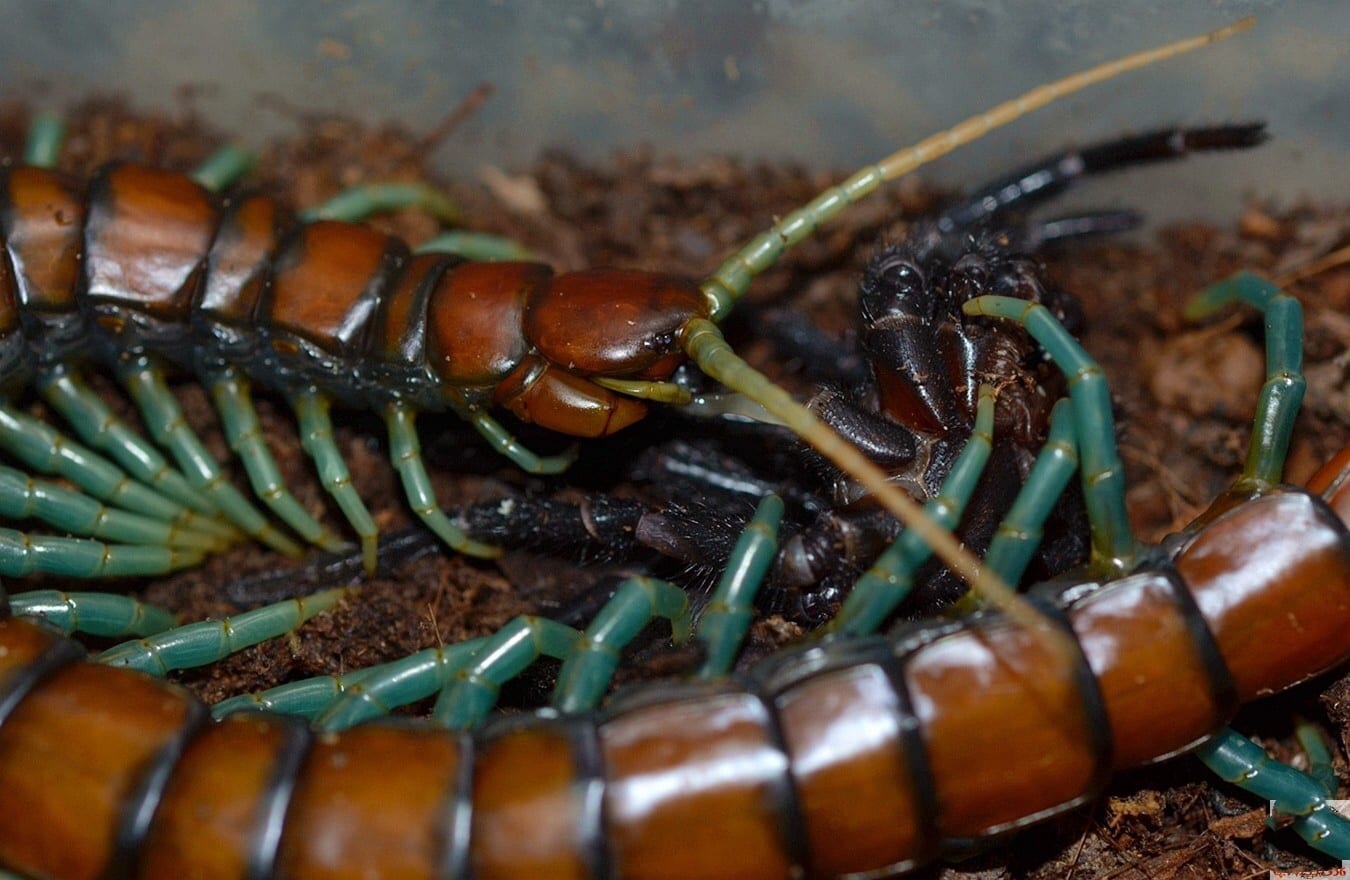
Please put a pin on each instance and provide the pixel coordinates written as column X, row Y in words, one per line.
column 890, row 579
column 1283, row 390
column 406, row 451
column 46, row 133
column 223, row 168
column 97, row 614
column 1114, row 548
column 363, row 201
column 22, row 555
column 1321, row 766
column 590, row 664
column 502, row 441
column 23, row 497
column 1238, row 760
column 726, row 620
column 42, row 448
column 209, row 641
column 472, row 692
column 384, row 688
column 102, row 430
column 480, row 246
column 234, row 403
column 304, row 699
column 316, row 437
column 160, row 410
column 1020, row 532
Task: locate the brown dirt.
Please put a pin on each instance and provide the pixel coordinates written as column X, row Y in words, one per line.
column 1183, row 398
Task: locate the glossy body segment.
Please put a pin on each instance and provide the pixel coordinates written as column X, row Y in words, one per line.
column 537, row 802
column 222, row 812
column 1251, row 583
column 379, row 800
column 42, row 216
column 145, row 246
column 78, row 752
column 1152, row 656
column 673, row 762
column 946, row 728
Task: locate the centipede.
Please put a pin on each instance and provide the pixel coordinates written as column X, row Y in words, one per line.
column 595, row 848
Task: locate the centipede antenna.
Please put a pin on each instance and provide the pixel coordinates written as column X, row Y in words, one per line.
column 729, row 282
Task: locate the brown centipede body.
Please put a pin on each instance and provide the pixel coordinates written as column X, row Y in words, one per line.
column 850, row 758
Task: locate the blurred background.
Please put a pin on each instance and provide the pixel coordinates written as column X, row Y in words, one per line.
column 828, row 83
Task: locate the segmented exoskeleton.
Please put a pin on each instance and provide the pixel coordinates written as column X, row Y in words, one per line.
column 855, row 755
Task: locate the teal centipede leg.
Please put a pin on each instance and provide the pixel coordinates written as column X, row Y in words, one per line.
column 1238, row 760
column 307, row 698
column 590, row 664
column 502, row 441
column 367, row 200
column 1114, row 548
column 316, row 437
column 479, row 246
column 1282, row 393
column 23, row 497
column 22, row 555
column 209, row 641
column 105, row 432
column 886, row 584
column 223, row 168
column 727, row 618
column 45, row 450
column 406, row 451
column 1321, row 766
column 472, row 692
column 361, row 202
column 378, row 690
column 96, row 614
column 46, row 133
column 234, row 403
column 145, row 382
column 1020, row 531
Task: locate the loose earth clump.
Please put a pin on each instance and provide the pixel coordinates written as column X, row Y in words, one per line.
column 1184, row 398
